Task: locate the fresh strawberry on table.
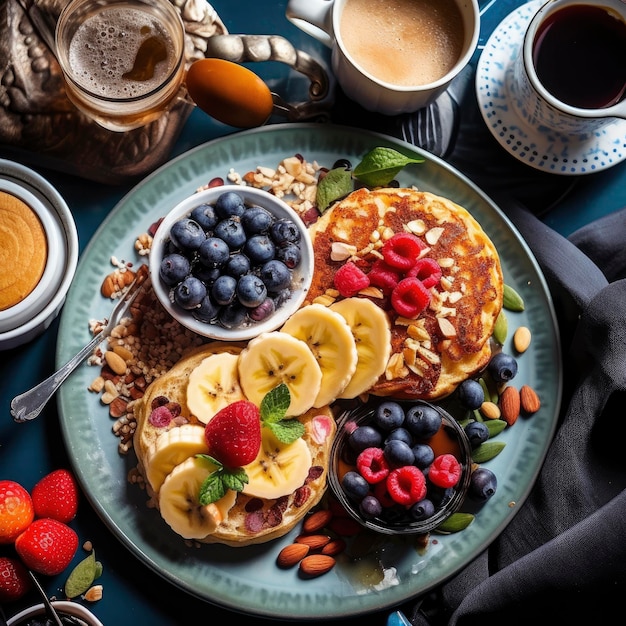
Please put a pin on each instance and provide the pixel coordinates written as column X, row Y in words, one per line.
column 15, row 581
column 56, row 496
column 16, row 510
column 47, row 546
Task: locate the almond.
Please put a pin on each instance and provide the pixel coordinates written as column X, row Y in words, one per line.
column 316, row 564
column 115, row 362
column 334, row 547
column 529, row 400
column 291, row 554
column 510, row 405
column 315, row 542
column 316, row 521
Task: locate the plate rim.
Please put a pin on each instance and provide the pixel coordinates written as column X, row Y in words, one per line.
column 111, row 521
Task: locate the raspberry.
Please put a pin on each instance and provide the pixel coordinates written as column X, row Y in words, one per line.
column 410, row 297
column 372, row 465
column 402, row 250
column 160, row 417
column 445, row 471
column 427, row 270
column 383, row 276
column 406, row 485
column 350, row 279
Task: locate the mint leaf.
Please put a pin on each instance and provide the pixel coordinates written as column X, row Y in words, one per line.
column 275, row 404
column 381, row 165
column 220, row 481
column 212, row 488
column 336, row 184
column 287, row 431
column 235, row 480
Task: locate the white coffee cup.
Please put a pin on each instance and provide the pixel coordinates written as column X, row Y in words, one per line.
column 549, row 99
column 375, row 91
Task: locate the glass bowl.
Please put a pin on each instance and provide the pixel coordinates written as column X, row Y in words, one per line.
column 301, row 274
column 396, row 519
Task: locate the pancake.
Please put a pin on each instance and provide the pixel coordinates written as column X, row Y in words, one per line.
column 449, row 341
column 251, row 519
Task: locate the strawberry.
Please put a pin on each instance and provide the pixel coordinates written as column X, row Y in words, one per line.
column 233, row 435
column 47, row 546
column 16, row 510
column 56, row 496
column 14, row 579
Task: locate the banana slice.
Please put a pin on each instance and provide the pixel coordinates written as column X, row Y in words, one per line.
column 213, row 384
column 276, row 357
column 171, row 449
column 372, row 334
column 331, row 341
column 279, row 468
column 179, row 504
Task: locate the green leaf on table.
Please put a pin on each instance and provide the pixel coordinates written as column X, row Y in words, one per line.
column 381, row 165
column 335, row 185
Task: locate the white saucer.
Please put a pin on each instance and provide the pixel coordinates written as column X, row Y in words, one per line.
column 538, row 147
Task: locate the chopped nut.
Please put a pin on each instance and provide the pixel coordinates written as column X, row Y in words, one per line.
column 93, row 594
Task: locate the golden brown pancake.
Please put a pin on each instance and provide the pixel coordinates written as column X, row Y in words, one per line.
column 447, row 342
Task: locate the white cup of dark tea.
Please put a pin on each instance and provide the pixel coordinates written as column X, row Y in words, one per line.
column 392, row 56
column 123, row 61
column 571, row 74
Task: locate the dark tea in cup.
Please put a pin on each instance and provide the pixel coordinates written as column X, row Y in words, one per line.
column 579, row 55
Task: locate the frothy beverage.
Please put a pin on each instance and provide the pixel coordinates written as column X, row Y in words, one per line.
column 123, row 61
column 403, row 42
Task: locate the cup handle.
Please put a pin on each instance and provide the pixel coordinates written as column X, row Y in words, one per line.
column 253, row 48
column 314, row 17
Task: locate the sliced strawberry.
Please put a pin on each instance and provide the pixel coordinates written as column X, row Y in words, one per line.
column 402, row 251
column 233, row 435
column 427, row 270
column 56, row 496
column 47, row 546
column 349, row 279
column 16, row 510
column 384, row 276
column 406, row 485
column 445, row 471
column 372, row 465
column 15, row 581
column 410, row 297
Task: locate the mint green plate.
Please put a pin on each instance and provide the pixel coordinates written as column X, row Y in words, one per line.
column 247, row 579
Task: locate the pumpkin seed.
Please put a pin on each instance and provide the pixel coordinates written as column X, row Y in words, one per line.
column 455, row 523
column 487, row 451
column 495, row 427
column 501, row 328
column 81, row 577
column 512, row 300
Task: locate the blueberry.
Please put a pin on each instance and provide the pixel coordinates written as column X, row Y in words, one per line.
column 389, row 415
column 276, row 276
column 251, row 291
column 502, row 367
column 187, row 234
column 289, row 254
column 208, row 275
column 231, row 231
column 400, row 434
column 229, row 203
column 205, row 215
column 189, row 293
column 207, row 311
column 237, row 265
column 174, row 268
column 370, row 507
column 483, row 484
column 214, row 252
column 259, row 249
column 423, row 421
column 470, row 394
column 365, row 437
column 398, row 453
column 422, row 510
column 285, row 231
column 256, row 220
column 232, row 316
column 424, row 455
column 355, row 486
column 263, row 311
column 223, row 289
column 477, row 433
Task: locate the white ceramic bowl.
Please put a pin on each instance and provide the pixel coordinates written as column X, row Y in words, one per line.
column 70, row 608
column 28, row 318
column 301, row 275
